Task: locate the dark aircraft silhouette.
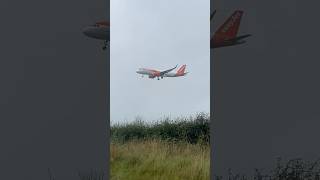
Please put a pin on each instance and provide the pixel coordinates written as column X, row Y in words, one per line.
column 226, row 35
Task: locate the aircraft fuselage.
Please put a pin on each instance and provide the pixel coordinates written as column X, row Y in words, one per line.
column 174, row 74
column 101, row 33
column 149, row 72
column 100, row 30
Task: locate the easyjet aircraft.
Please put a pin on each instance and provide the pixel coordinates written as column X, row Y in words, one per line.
column 151, row 73
column 226, row 35
column 179, row 73
column 100, row 30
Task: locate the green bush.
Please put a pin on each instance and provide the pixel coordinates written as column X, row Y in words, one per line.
column 192, row 130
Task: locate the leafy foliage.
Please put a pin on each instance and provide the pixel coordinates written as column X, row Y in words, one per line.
column 294, row 169
column 192, row 130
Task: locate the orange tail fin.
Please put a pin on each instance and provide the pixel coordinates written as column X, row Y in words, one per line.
column 230, row 28
column 181, row 70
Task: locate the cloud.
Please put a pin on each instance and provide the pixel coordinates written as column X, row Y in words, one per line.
column 159, row 35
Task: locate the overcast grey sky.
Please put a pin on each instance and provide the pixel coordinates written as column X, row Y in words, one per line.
column 267, row 90
column 159, row 35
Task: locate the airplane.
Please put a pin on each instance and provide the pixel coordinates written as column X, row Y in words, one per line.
column 226, row 35
column 154, row 73
column 179, row 73
column 100, row 30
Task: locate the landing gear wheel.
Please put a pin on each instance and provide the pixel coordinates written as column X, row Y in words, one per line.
column 106, row 45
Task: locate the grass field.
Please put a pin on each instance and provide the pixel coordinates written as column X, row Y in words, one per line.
column 165, row 150
column 159, row 160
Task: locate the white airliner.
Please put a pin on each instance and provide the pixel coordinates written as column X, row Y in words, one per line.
column 151, row 73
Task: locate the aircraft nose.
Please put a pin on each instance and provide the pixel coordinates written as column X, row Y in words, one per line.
column 88, row 31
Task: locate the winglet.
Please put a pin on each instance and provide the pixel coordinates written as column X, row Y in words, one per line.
column 212, row 14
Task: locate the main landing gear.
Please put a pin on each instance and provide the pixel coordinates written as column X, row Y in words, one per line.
column 106, row 45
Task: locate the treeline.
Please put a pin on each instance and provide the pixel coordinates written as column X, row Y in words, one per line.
column 194, row 129
column 93, row 174
column 294, row 169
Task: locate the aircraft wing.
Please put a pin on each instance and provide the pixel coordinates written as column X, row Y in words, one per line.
column 212, row 14
column 166, row 71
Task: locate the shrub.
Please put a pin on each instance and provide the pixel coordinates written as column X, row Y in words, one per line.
column 192, row 130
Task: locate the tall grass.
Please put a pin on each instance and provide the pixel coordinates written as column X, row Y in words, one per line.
column 175, row 149
column 192, row 130
column 159, row 160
